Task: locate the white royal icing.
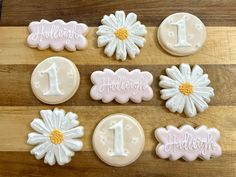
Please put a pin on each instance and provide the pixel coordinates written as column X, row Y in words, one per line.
column 188, row 143
column 179, row 102
column 121, row 85
column 118, row 139
column 57, row 35
column 53, row 89
column 130, row 45
column 67, row 125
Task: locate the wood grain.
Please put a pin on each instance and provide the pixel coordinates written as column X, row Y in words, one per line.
column 16, row 89
column 22, row 164
column 220, row 48
column 15, row 123
column 150, row 12
column 18, row 106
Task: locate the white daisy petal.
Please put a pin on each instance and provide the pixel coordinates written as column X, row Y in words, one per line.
column 138, row 29
column 186, row 72
column 196, row 73
column 35, row 138
column 130, row 19
column 181, row 104
column 46, row 115
column 75, row 145
column 61, row 158
column 204, row 92
column 190, row 109
column 132, row 49
column 121, row 51
column 175, row 74
column 40, row 150
column 39, row 126
column 50, row 143
column 172, row 103
column 105, row 39
column 70, row 121
column 109, row 21
column 168, row 93
column 105, row 30
column 58, row 117
column 74, row 133
column 120, row 18
column 50, row 157
column 139, row 41
column 202, row 81
column 111, row 47
column 166, row 82
column 67, row 151
column 200, row 104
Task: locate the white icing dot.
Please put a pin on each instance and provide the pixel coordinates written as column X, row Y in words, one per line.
column 70, row 74
column 128, row 126
column 109, row 152
column 112, row 123
column 169, row 44
column 171, row 34
column 126, row 151
column 198, row 27
column 134, row 140
column 103, row 139
column 170, row 21
column 190, row 36
column 37, row 84
column 198, row 45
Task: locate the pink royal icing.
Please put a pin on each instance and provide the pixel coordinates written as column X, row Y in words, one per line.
column 188, row 143
column 57, row 35
column 121, row 85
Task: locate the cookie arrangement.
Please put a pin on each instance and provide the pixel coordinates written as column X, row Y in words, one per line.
column 118, row 139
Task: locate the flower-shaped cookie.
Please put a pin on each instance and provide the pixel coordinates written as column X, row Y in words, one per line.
column 186, row 90
column 120, row 33
column 55, row 136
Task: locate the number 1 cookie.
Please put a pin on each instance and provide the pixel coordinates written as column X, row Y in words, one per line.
column 182, row 34
column 55, row 80
column 118, row 140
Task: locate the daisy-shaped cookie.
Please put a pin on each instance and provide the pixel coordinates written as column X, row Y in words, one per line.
column 55, row 136
column 121, row 34
column 186, row 90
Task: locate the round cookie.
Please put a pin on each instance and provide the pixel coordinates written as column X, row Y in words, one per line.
column 55, row 80
column 182, row 34
column 118, row 140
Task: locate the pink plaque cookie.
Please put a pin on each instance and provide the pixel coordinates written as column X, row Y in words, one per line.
column 188, row 143
column 121, row 85
column 55, row 80
column 57, row 35
column 118, row 140
column 182, row 34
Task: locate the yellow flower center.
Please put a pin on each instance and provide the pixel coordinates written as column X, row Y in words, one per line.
column 186, row 88
column 56, row 136
column 121, row 33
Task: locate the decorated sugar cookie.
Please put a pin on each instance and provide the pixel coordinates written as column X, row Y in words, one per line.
column 121, row 35
column 57, row 35
column 56, row 136
column 188, row 143
column 182, row 34
column 121, row 85
column 118, row 140
column 55, row 80
column 186, row 90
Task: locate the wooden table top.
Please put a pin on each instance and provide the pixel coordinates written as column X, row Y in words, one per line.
column 18, row 105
